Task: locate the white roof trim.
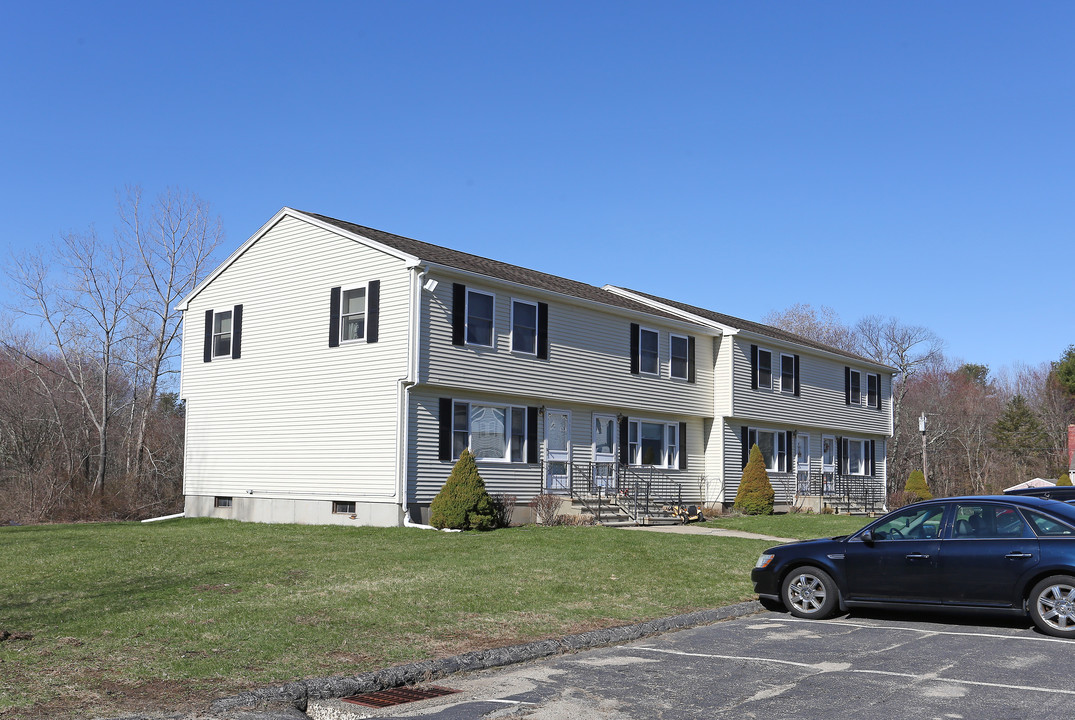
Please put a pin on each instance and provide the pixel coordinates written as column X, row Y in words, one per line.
column 721, row 328
column 409, row 260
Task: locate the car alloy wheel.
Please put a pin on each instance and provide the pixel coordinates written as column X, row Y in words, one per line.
column 1052, row 606
column 809, row 593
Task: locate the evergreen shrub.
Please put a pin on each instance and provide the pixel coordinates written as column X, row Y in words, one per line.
column 463, row 503
column 1064, row 479
column 916, row 484
column 755, row 496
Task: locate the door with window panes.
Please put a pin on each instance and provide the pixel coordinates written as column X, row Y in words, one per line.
column 557, row 452
column 802, row 464
column 604, row 451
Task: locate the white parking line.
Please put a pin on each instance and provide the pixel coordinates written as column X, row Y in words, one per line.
column 925, row 631
column 824, row 667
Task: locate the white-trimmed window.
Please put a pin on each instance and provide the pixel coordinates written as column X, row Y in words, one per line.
column 679, row 352
column 787, row 374
column 765, row 369
column 773, row 445
column 873, row 390
column 855, row 388
column 480, row 318
column 222, row 502
column 493, row 432
column 858, row 458
column 353, row 313
column 650, row 442
column 648, row 351
column 222, row 333
column 524, row 327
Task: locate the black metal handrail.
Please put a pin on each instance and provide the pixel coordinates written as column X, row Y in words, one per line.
column 600, row 486
column 862, row 491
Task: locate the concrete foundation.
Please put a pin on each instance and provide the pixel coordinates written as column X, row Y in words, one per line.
column 302, row 512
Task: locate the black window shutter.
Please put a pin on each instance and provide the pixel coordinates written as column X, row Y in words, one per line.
column 797, row 388
column 745, row 435
column 789, row 463
column 841, row 465
column 373, row 311
column 634, row 348
column 444, row 438
column 334, row 317
column 543, row 331
column 236, row 332
column 879, row 403
column 208, row 354
column 683, row 446
column 847, row 385
column 624, row 457
column 459, row 313
column 531, row 435
column 690, row 359
column 753, row 368
column 873, row 457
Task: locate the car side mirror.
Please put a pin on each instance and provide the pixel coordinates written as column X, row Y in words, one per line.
column 867, row 537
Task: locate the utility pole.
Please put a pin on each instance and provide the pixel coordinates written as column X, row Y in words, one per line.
column 922, row 429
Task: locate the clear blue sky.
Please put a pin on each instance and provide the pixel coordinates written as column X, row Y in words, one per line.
column 906, row 159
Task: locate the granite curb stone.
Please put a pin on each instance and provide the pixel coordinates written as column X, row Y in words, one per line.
column 290, row 701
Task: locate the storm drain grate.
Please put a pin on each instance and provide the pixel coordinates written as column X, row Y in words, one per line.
column 398, row 696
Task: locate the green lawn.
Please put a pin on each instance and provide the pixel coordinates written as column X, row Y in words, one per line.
column 802, row 526
column 128, row 616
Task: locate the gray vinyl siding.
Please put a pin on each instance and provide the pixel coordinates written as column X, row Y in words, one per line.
column 428, row 472
column 589, row 355
column 294, row 418
column 821, row 401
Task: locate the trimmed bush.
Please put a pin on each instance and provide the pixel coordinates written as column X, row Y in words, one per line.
column 755, row 496
column 1063, row 480
column 463, row 503
column 916, row 484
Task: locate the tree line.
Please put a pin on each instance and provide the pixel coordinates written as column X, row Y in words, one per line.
column 90, row 424
column 984, row 431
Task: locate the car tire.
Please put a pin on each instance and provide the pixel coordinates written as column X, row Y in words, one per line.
column 1052, row 606
column 809, row 592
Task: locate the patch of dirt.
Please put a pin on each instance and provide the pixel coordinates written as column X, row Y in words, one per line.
column 15, row 635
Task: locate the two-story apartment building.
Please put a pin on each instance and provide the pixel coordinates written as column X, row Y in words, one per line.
column 340, row 371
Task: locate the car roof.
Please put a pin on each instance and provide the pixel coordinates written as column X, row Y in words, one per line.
column 1053, row 505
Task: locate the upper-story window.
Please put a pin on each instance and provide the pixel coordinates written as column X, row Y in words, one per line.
column 679, row 351
column 787, row 374
column 480, row 318
column 873, row 390
column 524, row 327
column 764, row 369
column 223, row 333
column 353, row 314
column 648, row 354
column 854, row 388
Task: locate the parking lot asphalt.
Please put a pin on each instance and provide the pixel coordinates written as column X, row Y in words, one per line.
column 774, row 666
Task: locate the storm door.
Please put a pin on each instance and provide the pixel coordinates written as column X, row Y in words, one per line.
column 802, row 464
column 604, row 451
column 557, row 452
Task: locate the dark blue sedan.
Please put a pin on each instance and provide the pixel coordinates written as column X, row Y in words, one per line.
column 1008, row 553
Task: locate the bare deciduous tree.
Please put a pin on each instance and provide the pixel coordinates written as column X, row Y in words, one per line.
column 819, row 324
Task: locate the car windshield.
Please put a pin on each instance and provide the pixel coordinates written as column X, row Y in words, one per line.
column 910, row 524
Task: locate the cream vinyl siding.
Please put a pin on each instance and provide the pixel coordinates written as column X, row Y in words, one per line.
column 821, row 400
column 589, row 355
column 294, row 418
column 523, row 480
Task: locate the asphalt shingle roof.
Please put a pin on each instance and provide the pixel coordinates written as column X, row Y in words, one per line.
column 753, row 327
column 494, row 268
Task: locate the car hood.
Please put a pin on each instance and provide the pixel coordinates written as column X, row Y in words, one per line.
column 812, row 544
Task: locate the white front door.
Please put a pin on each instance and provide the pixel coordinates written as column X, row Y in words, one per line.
column 828, row 463
column 802, row 463
column 604, row 450
column 557, row 451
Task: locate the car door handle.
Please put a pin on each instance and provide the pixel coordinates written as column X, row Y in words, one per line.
column 1016, row 554
column 918, row 556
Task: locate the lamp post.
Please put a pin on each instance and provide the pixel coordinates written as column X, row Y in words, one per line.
column 922, row 429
